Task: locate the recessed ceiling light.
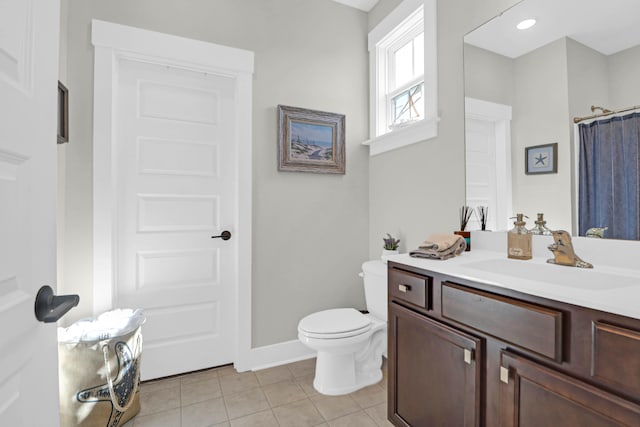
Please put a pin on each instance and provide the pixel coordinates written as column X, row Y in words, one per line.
column 526, row 24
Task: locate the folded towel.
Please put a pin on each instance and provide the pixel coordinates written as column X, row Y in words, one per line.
column 452, row 245
column 440, row 242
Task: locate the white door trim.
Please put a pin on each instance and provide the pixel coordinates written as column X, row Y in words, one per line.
column 500, row 115
column 113, row 42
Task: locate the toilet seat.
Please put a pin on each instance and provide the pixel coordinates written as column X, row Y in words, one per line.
column 334, row 323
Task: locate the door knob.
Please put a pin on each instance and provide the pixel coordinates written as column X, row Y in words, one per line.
column 49, row 307
column 225, row 235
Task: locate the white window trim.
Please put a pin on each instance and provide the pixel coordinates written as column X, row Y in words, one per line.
column 426, row 128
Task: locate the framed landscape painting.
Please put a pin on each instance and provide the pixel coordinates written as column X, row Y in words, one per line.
column 310, row 140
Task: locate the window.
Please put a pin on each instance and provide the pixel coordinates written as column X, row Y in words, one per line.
column 403, row 83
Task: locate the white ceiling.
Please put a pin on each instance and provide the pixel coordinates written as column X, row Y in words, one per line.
column 365, row 5
column 607, row 26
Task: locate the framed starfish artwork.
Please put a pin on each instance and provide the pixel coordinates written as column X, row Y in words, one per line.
column 540, row 159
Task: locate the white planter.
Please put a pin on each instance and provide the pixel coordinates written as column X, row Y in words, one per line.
column 386, row 253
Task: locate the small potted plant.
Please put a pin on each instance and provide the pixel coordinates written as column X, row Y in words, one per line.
column 390, row 247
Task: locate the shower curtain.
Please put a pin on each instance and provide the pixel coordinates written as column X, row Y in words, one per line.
column 609, row 176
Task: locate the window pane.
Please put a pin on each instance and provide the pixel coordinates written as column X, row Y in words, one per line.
column 403, row 62
column 418, row 51
column 407, row 105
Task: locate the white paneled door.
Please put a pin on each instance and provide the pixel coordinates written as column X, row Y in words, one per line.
column 480, row 143
column 176, row 189
column 28, row 91
column 488, row 161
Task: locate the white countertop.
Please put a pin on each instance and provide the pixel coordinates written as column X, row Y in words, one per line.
column 613, row 289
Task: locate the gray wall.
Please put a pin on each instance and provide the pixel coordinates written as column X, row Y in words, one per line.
column 624, row 69
column 310, row 230
column 417, row 190
column 541, row 116
column 551, row 85
column 488, row 76
column 309, row 53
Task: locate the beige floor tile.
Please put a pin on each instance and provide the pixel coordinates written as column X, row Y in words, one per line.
column 303, row 367
column 357, row 419
column 298, row 414
column 370, row 396
column 273, row 375
column 332, row 407
column 225, row 370
column 195, row 377
column 159, row 397
column 306, row 383
column 378, row 414
column 245, row 403
column 160, row 419
column 159, row 384
column 204, row 414
column 259, row 419
column 283, row 392
column 238, row 382
column 194, row 392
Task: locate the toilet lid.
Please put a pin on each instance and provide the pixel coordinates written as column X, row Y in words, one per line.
column 335, row 323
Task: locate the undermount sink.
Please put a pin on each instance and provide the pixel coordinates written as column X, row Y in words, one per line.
column 580, row 278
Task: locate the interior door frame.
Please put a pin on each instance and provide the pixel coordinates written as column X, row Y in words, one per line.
column 500, row 115
column 113, row 42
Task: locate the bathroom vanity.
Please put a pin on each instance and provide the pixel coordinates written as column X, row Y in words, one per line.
column 481, row 340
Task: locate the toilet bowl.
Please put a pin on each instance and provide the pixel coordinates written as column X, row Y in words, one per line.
column 350, row 344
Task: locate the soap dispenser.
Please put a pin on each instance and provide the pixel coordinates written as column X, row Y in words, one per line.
column 519, row 240
column 541, row 226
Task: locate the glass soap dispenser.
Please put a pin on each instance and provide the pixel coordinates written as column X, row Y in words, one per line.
column 519, row 240
column 541, row 227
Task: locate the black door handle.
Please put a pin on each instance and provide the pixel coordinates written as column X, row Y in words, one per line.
column 49, row 307
column 225, row 235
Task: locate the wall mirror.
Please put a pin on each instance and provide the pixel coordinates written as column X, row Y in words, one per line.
column 523, row 89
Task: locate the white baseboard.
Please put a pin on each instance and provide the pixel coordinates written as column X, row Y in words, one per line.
column 269, row 356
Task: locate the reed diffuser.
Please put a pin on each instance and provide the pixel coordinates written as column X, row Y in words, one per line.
column 465, row 216
column 482, row 212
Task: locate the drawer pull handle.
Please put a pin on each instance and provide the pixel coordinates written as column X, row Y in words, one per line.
column 504, row 374
column 404, row 288
column 468, row 356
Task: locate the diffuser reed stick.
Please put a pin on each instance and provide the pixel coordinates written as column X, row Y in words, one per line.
column 465, row 215
column 482, row 213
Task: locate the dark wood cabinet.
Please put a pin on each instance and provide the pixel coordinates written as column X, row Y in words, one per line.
column 532, row 395
column 469, row 354
column 435, row 376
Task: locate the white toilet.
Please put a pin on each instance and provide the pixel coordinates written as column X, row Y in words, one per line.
column 350, row 344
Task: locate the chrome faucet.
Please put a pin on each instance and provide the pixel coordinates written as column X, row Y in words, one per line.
column 563, row 251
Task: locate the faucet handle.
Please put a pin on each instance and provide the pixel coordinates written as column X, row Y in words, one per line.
column 563, row 251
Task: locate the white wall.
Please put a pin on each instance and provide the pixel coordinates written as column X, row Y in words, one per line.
column 310, row 231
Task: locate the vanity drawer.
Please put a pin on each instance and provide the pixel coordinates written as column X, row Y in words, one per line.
column 527, row 325
column 412, row 288
column 615, row 356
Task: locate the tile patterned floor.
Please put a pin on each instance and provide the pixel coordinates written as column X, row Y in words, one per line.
column 280, row 396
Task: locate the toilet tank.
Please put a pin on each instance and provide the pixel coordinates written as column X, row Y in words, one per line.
column 374, row 274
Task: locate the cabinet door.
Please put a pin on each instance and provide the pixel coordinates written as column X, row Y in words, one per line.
column 434, row 372
column 532, row 395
